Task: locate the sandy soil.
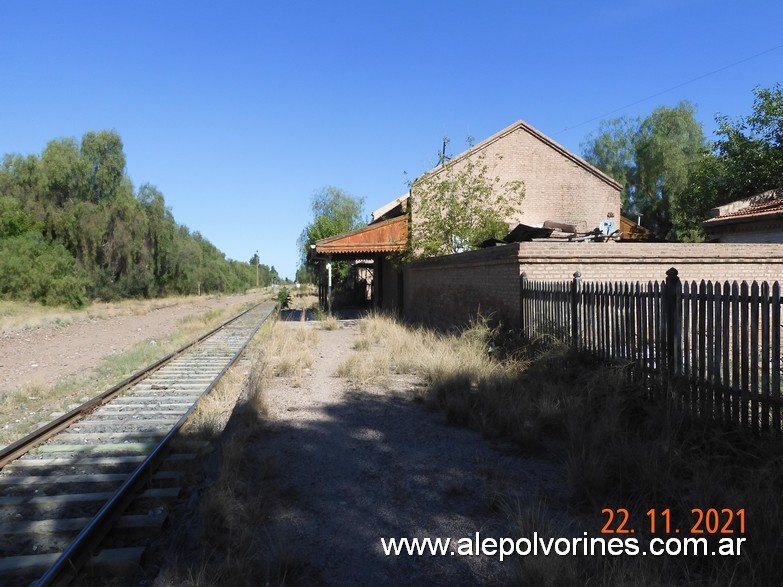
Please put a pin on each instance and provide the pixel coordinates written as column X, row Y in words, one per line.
column 358, row 465
column 44, row 356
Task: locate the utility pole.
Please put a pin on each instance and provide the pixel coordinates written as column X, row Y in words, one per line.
column 258, row 262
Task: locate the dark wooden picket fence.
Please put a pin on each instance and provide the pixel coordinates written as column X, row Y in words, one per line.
column 716, row 345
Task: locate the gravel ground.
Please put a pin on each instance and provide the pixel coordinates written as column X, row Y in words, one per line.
column 44, row 356
column 359, row 465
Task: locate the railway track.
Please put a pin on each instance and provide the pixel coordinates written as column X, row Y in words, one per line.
column 77, row 491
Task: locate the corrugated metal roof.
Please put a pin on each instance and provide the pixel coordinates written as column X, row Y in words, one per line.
column 382, row 237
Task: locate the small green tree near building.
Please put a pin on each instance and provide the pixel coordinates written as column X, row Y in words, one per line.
column 458, row 205
column 334, row 212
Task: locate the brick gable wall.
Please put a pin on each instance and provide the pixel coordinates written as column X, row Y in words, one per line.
column 556, row 186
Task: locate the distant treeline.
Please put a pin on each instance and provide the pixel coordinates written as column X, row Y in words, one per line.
column 73, row 229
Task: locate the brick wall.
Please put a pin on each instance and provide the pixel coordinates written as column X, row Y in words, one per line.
column 649, row 261
column 447, row 291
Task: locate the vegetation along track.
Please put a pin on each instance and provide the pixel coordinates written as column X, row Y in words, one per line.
column 66, row 486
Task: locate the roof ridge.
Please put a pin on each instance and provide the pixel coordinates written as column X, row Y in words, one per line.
column 551, row 143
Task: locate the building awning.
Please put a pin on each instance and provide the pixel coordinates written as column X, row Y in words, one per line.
column 389, row 236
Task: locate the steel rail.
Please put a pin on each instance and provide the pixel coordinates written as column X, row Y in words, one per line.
column 18, row 448
column 82, row 547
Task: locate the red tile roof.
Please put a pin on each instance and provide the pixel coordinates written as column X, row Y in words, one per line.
column 766, row 209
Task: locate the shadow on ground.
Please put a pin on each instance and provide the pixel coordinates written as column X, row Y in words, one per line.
column 379, row 465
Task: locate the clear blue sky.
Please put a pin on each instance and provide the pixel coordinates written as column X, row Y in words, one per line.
column 239, row 111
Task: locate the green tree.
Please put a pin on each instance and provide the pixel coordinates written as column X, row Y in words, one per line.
column 613, row 150
column 746, row 159
column 65, row 171
column 161, row 228
column 334, row 212
column 693, row 206
column 13, row 219
column 458, row 205
column 750, row 149
column 105, row 160
column 654, row 158
column 303, row 275
column 72, row 228
column 32, row 268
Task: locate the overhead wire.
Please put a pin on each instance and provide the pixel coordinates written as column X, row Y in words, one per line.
column 655, row 95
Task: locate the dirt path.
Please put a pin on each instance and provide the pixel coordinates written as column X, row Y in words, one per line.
column 355, row 466
column 44, row 356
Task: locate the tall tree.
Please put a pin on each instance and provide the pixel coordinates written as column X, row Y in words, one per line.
column 746, row 159
column 613, row 150
column 334, row 212
column 65, row 171
column 751, row 148
column 105, row 161
column 654, row 158
column 72, row 228
column 161, row 228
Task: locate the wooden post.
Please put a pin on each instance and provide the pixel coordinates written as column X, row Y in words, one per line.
column 523, row 306
column 576, row 290
column 672, row 323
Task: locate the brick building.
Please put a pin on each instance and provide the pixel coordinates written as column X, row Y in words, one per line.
column 754, row 220
column 559, row 187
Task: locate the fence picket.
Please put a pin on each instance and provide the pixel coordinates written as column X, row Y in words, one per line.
column 593, row 327
column 694, row 350
column 765, row 347
column 709, row 388
column 702, row 349
column 775, row 366
column 718, row 346
column 660, row 343
column 744, row 351
column 651, row 357
column 735, row 350
column 754, row 356
column 629, row 330
column 686, row 333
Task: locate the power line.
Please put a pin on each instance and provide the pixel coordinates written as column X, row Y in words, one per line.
column 690, row 81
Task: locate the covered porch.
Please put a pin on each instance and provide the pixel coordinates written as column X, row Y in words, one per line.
column 370, row 251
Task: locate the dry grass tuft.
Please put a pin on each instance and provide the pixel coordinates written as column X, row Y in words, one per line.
column 386, row 347
column 287, row 355
column 328, row 322
column 536, row 518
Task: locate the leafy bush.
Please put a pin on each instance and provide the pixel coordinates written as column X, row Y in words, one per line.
column 283, row 299
column 38, row 271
